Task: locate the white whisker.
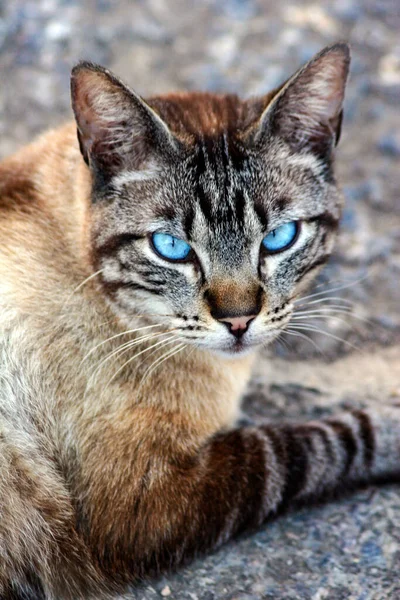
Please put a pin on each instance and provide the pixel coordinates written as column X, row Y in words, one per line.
column 318, row 316
column 123, row 348
column 325, row 308
column 80, row 286
column 326, row 300
column 325, row 317
column 113, row 337
column 340, row 281
column 322, row 313
column 305, row 337
column 282, row 341
column 312, row 328
column 154, row 351
column 335, row 289
column 160, row 360
column 138, row 354
column 328, row 312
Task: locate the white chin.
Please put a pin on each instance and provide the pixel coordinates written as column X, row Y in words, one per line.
column 235, row 350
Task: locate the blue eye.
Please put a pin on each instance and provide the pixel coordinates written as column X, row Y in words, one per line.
column 282, row 237
column 170, row 247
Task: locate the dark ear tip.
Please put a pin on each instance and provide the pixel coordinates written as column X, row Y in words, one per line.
column 86, row 65
column 342, row 48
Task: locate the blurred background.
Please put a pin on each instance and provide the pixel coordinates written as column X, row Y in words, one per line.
column 245, row 47
column 350, row 549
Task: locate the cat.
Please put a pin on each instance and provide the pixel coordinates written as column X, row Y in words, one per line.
column 143, row 259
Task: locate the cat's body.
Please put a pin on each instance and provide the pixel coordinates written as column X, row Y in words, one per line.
column 110, row 471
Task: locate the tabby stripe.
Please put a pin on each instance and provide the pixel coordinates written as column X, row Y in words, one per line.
column 367, row 436
column 212, row 150
column 261, row 212
column 319, row 430
column 188, row 220
column 318, row 263
column 116, row 242
column 281, row 203
column 240, row 204
column 139, row 287
column 273, row 471
column 345, row 435
column 112, row 287
column 204, row 203
column 247, row 486
column 199, row 166
column 292, row 453
column 156, row 278
column 326, row 219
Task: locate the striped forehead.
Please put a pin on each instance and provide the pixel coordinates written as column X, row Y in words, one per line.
column 222, row 206
column 221, row 196
column 217, row 172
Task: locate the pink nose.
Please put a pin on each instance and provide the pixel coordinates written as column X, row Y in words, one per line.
column 238, row 325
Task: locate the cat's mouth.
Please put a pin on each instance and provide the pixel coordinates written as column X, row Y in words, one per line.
column 252, row 333
column 234, row 340
column 239, row 346
column 245, row 345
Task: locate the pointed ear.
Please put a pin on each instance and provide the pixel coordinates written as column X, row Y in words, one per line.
column 116, row 128
column 307, row 110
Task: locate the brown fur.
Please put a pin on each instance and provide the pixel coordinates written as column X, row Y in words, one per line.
column 200, row 114
column 228, row 298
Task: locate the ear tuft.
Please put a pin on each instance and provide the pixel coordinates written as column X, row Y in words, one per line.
column 307, row 110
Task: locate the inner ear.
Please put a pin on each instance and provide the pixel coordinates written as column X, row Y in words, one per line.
column 307, row 110
column 117, row 129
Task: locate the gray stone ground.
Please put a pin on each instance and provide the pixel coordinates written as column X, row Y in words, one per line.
column 349, row 549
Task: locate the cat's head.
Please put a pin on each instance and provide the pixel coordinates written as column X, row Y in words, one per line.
column 210, row 213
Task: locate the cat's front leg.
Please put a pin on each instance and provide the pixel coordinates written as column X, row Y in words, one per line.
column 41, row 555
column 195, row 501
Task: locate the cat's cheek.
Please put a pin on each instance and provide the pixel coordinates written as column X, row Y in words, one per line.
column 305, row 283
column 263, row 269
column 263, row 334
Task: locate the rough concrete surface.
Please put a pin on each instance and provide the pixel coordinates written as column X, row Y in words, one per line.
column 350, row 548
